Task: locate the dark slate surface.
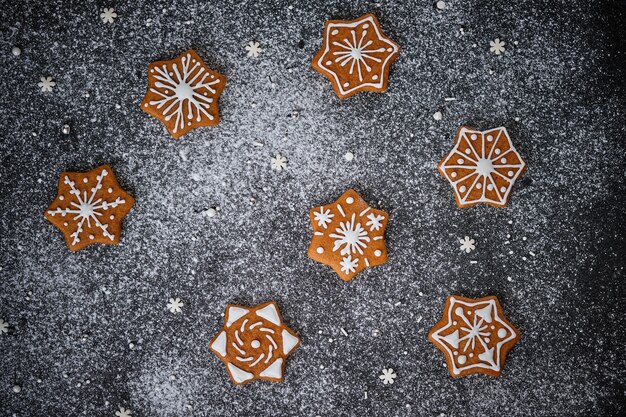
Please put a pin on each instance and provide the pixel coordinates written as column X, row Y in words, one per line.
column 90, row 332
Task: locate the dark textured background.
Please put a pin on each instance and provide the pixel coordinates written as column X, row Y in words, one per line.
column 90, row 331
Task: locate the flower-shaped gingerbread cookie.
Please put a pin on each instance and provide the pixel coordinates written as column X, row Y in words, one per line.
column 474, row 336
column 89, row 207
column 482, row 167
column 348, row 235
column 183, row 93
column 254, row 343
column 355, row 56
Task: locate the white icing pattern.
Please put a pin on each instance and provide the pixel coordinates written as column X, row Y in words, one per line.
column 472, row 331
column 357, row 51
column 183, row 91
column 86, row 208
column 482, row 167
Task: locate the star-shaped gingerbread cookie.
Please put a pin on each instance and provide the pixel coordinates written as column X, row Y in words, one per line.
column 482, row 167
column 474, row 336
column 355, row 55
column 183, row 93
column 348, row 235
column 89, row 207
column 254, row 343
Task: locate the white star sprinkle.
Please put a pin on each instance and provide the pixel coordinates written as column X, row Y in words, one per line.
column 497, row 46
column 4, row 326
column 279, row 162
column 108, row 15
column 467, row 244
column 388, row 376
column 254, row 49
column 123, row 412
column 46, row 84
column 175, row 305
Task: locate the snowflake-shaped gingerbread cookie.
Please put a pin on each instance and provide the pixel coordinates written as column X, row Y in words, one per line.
column 474, row 336
column 355, row 55
column 183, row 93
column 254, row 343
column 482, row 167
column 348, row 235
column 89, row 207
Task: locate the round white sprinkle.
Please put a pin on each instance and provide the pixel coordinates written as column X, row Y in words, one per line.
column 320, row 250
column 66, row 129
column 441, row 5
column 211, row 212
column 349, row 156
column 377, row 253
column 375, row 332
column 16, row 51
column 349, row 200
column 17, row 389
column 437, row 115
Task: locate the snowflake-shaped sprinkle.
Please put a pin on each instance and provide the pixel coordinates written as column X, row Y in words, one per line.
column 4, row 326
column 279, row 162
column 46, row 84
column 254, row 49
column 108, row 15
column 124, row 412
column 467, row 244
column 175, row 305
column 388, row 376
column 497, row 46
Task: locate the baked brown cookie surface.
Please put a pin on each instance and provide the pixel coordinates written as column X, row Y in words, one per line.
column 474, row 336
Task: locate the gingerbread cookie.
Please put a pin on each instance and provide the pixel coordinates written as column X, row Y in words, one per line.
column 482, row 167
column 355, row 56
column 183, row 93
column 254, row 343
column 474, row 336
column 89, row 207
column 348, row 235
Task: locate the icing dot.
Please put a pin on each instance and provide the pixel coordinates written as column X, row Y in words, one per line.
column 91, row 237
column 493, row 327
column 365, row 26
column 152, row 70
column 85, row 180
column 468, row 151
column 501, row 333
column 374, row 77
column 498, row 151
column 334, row 32
column 65, row 224
column 503, row 160
column 377, row 253
column 188, row 123
column 471, row 355
column 456, row 353
column 459, row 311
column 110, row 190
column 489, row 138
column 502, row 189
column 474, row 137
column 61, row 198
column 454, row 323
column 389, row 49
column 346, row 84
column 320, row 250
column 145, row 105
column 453, row 174
column 510, row 173
column 462, row 359
column 479, row 186
column 329, row 62
column 490, row 187
column 469, row 313
column 486, row 340
column 460, row 161
column 112, row 217
column 462, row 188
column 349, row 200
column 255, row 344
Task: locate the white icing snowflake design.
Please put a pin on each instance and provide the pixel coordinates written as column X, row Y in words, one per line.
column 482, row 167
column 477, row 328
column 184, row 91
column 88, row 208
column 355, row 231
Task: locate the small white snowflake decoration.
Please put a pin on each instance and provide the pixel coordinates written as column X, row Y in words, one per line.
column 4, row 326
column 279, row 162
column 175, row 305
column 124, row 412
column 108, row 15
column 497, row 46
column 467, row 244
column 254, row 49
column 46, row 84
column 388, row 376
